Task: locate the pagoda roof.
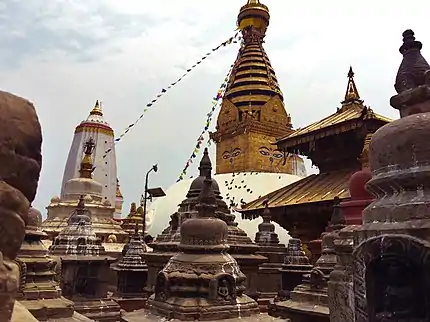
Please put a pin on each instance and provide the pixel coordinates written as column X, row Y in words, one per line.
column 312, row 189
column 333, row 124
column 344, row 119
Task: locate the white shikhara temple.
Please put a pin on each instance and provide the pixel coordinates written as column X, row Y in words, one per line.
column 105, row 173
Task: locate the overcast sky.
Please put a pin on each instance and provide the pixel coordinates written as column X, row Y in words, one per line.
column 64, row 55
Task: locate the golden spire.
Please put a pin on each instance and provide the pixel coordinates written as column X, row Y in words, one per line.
column 118, row 190
column 351, row 95
column 87, row 168
column 97, row 110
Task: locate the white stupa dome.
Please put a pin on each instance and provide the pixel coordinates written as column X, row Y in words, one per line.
column 245, row 187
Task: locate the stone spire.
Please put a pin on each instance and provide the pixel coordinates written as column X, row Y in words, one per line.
column 266, row 234
column 252, row 103
column 390, row 257
column 211, row 282
column 78, row 238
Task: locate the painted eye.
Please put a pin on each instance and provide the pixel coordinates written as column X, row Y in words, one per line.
column 264, row 152
column 235, row 153
column 226, row 156
column 277, row 155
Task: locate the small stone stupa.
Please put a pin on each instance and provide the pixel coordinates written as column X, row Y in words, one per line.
column 269, row 280
column 202, row 281
column 85, row 267
column 241, row 248
column 39, row 290
column 132, row 273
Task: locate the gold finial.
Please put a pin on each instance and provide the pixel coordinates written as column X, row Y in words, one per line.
column 351, row 94
column 87, row 168
column 97, row 110
column 255, row 14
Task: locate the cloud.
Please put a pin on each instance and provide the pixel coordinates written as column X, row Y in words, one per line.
column 63, row 55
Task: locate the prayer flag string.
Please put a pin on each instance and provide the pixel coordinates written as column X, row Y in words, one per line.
column 209, row 116
column 163, row 91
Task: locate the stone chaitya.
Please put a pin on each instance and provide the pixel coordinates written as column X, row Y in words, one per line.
column 391, row 260
column 132, row 274
column 296, row 264
column 269, row 280
column 40, row 290
column 202, row 281
column 21, row 160
column 85, row 267
column 309, row 300
column 242, row 248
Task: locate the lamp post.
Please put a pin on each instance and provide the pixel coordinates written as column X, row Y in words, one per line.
column 149, row 194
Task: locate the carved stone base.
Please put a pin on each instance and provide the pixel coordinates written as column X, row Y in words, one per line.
column 201, row 309
column 305, row 305
column 155, row 262
column 104, row 310
column 269, row 283
column 49, row 308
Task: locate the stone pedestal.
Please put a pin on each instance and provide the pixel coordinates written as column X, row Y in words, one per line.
column 39, row 292
column 132, row 274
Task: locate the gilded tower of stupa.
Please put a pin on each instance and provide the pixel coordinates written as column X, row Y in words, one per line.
column 253, row 112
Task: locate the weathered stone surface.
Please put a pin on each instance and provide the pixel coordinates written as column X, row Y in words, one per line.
column 20, row 159
column 20, row 144
column 391, row 263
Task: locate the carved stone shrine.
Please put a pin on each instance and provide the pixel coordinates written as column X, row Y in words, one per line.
column 132, row 274
column 85, row 267
column 242, row 248
column 202, row 282
column 391, row 261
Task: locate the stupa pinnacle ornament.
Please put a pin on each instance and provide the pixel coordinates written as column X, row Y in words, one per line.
column 202, row 281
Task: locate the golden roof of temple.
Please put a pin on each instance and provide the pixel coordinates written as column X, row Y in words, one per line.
column 313, row 188
column 352, row 109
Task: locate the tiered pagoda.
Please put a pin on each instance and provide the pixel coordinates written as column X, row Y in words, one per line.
column 334, row 144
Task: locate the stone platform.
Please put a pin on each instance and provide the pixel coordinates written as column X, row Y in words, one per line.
column 145, row 316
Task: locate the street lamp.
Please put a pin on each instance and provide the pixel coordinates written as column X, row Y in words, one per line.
column 149, row 194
